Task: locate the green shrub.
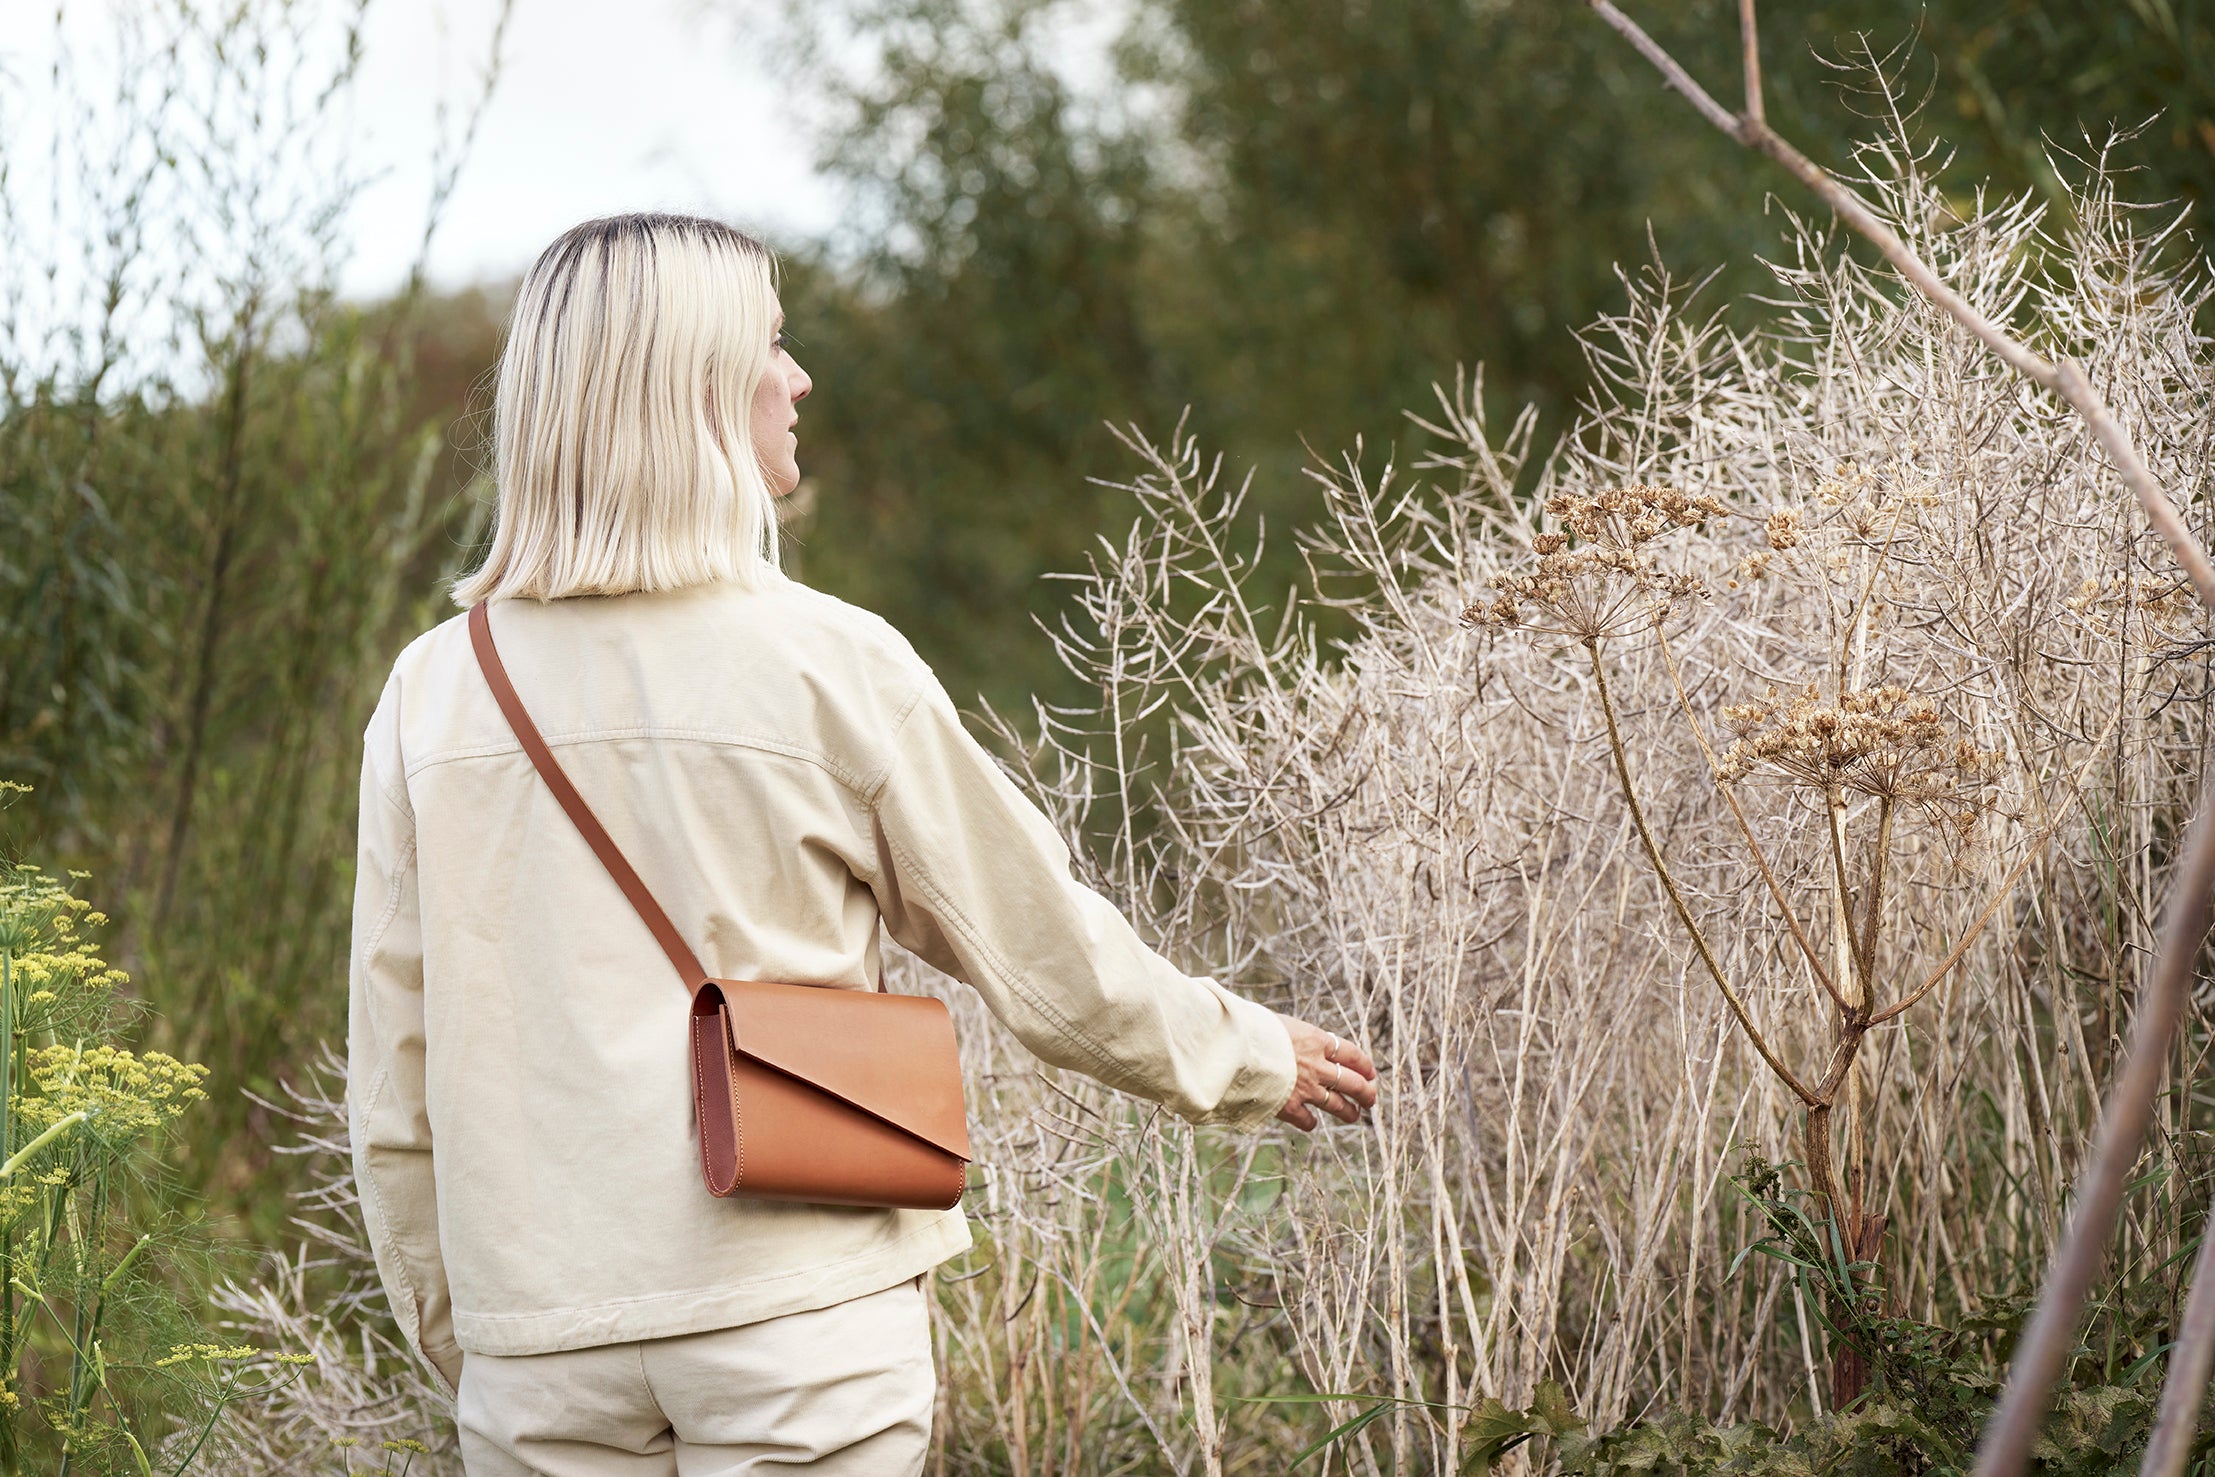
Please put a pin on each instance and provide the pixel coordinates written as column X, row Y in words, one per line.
column 97, row 1343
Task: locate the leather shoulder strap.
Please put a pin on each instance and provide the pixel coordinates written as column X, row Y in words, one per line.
column 596, row 835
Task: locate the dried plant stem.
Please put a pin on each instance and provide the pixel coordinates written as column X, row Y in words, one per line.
column 1676, row 899
column 1851, row 970
column 2014, row 875
column 2065, row 379
column 1879, row 863
column 1751, row 50
column 2038, row 1359
column 2190, row 1364
column 2043, row 1351
column 1745, row 827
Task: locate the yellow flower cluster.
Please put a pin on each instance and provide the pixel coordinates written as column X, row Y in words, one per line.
column 205, row 1353
column 41, row 933
column 120, row 1093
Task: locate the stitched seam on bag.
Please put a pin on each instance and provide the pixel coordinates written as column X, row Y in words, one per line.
column 913, row 868
column 738, row 1123
column 700, row 1113
column 722, row 737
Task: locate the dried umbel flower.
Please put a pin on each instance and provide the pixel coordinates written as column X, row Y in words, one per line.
column 2168, row 608
column 1598, row 579
column 1784, row 529
column 1625, row 517
column 1884, row 742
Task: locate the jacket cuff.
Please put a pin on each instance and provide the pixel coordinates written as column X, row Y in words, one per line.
column 1265, row 1081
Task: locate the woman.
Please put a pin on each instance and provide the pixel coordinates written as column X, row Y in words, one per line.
column 785, row 772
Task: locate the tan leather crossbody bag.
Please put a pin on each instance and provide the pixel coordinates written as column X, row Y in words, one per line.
column 804, row 1092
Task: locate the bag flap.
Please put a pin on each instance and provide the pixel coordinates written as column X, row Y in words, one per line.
column 892, row 1056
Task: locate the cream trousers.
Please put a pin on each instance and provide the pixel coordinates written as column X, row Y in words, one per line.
column 843, row 1391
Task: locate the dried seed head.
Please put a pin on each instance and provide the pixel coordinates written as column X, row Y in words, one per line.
column 1884, row 742
column 2166, row 609
column 1784, row 529
column 1598, row 578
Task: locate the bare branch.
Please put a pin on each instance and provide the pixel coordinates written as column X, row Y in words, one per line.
column 1713, row 111
column 2190, row 1363
column 2066, row 379
column 2045, row 1343
column 1749, row 38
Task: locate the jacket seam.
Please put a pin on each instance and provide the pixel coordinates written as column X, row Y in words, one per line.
column 413, row 1314
column 892, row 740
column 376, row 935
column 377, row 1085
column 1112, row 1073
column 796, row 1274
column 721, row 737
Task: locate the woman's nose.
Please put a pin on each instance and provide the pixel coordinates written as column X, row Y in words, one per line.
column 801, row 389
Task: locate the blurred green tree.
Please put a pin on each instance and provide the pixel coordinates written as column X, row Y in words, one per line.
column 1295, row 216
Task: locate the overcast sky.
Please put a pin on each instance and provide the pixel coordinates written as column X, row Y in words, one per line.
column 602, row 106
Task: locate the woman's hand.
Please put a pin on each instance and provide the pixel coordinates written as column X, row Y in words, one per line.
column 1335, row 1075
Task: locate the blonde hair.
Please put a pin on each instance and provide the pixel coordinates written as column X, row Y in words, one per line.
column 622, row 424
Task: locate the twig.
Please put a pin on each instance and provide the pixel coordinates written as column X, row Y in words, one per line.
column 1751, row 45
column 2014, row 875
column 1676, row 899
column 1745, row 828
column 2040, row 1354
column 2065, row 378
column 2190, row 1363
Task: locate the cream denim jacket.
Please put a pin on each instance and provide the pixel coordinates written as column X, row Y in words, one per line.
column 784, row 772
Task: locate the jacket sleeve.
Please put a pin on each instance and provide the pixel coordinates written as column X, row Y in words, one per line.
column 387, row 1120
column 974, row 878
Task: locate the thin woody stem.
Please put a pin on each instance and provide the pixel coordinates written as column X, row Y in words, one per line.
column 1745, row 828
column 2015, row 873
column 1834, row 818
column 1750, row 43
column 2042, row 1350
column 1878, row 864
column 2190, row 1363
column 2066, row 378
column 1676, row 898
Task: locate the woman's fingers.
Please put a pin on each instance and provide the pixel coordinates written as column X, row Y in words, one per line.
column 1354, row 1088
column 1334, row 1076
column 1354, row 1059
